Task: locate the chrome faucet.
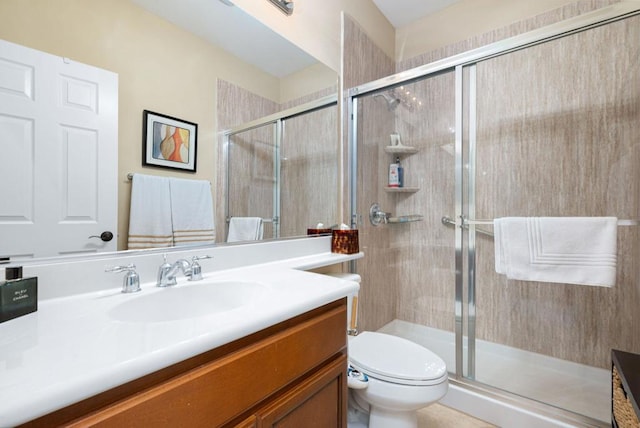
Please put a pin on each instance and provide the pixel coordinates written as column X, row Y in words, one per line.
column 131, row 280
column 192, row 270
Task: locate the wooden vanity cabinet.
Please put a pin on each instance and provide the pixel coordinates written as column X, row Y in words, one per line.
column 292, row 374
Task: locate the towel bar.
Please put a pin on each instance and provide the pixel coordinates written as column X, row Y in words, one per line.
column 264, row 220
column 446, row 220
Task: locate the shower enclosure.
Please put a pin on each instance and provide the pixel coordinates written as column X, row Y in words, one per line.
column 543, row 124
column 283, row 168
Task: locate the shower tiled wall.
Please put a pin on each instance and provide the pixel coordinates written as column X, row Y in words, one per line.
column 309, row 171
column 363, row 62
column 566, row 163
column 235, row 106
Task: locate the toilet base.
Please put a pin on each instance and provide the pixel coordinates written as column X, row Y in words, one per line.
column 395, row 405
column 384, row 418
column 362, row 415
column 357, row 416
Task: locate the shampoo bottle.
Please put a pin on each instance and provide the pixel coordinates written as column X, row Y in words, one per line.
column 400, row 172
column 394, row 177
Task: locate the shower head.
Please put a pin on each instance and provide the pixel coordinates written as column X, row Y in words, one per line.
column 392, row 101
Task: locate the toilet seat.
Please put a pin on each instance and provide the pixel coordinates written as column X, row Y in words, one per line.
column 394, row 359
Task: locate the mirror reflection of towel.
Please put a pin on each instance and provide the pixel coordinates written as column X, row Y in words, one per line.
column 191, row 212
column 168, row 212
column 245, row 229
column 150, row 213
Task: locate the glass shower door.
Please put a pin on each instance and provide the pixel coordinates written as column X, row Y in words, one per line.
column 552, row 135
column 253, row 175
column 309, row 171
column 408, row 274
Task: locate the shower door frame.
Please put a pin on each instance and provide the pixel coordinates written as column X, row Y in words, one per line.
column 458, row 64
column 277, row 120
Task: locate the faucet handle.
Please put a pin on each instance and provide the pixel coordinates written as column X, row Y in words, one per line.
column 196, row 269
column 131, row 280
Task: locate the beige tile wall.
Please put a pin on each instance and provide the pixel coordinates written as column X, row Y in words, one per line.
column 236, row 106
column 575, row 154
column 363, row 62
column 309, row 171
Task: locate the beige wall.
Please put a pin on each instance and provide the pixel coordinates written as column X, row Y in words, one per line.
column 149, row 53
column 315, row 26
column 160, row 67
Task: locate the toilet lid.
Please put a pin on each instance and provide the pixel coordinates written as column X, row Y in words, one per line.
column 395, row 359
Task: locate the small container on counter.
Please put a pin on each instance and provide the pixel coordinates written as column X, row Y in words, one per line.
column 316, row 232
column 344, row 241
column 320, row 229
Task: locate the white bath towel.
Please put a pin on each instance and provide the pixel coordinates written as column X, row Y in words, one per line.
column 191, row 212
column 150, row 213
column 569, row 250
column 245, row 229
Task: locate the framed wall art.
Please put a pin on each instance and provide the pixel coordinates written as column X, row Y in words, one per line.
column 169, row 142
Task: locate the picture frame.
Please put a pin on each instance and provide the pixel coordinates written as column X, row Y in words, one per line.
column 169, row 142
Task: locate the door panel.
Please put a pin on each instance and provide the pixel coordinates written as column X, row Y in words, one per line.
column 58, row 136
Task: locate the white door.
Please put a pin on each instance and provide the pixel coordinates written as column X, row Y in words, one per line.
column 58, row 155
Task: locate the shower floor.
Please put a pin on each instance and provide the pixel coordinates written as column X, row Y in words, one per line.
column 575, row 387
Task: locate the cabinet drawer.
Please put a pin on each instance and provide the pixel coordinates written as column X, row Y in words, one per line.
column 319, row 401
column 220, row 390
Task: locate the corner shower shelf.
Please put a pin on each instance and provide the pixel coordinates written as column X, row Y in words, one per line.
column 401, row 189
column 400, row 149
column 405, row 218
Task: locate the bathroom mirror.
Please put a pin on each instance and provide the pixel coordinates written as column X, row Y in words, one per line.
column 93, row 30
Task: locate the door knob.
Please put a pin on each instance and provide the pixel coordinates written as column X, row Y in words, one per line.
column 105, row 236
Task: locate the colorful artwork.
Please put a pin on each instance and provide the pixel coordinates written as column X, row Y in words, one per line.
column 169, row 142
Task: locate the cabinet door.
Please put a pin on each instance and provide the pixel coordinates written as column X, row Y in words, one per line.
column 318, row 401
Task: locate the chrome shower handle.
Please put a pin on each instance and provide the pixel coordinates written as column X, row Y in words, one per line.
column 377, row 216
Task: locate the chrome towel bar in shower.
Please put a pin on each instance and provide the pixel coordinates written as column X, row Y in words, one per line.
column 446, row 220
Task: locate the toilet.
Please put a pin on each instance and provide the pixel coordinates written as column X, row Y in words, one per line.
column 390, row 378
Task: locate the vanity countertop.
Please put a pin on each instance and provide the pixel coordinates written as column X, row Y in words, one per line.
column 73, row 347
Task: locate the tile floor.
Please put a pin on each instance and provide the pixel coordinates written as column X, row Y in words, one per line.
column 439, row 416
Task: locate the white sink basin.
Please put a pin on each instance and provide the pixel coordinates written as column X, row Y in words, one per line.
column 187, row 301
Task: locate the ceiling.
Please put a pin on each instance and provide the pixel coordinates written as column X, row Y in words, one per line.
column 243, row 36
column 401, row 13
column 236, row 31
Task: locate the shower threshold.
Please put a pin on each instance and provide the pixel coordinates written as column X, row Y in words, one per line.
column 563, row 384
